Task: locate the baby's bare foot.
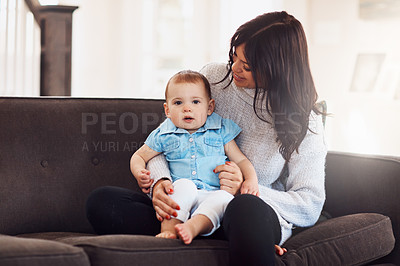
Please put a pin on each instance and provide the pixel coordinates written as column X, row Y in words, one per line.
column 184, row 232
column 167, row 234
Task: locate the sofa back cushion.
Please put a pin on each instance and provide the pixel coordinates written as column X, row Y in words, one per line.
column 55, row 151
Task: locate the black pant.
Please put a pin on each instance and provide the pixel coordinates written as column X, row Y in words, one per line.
column 249, row 224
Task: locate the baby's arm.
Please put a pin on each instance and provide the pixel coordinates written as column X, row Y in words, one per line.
column 250, row 183
column 138, row 166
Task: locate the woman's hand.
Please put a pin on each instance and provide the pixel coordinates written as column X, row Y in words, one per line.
column 230, row 177
column 279, row 250
column 163, row 204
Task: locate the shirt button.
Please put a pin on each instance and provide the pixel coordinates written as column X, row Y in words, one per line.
column 191, row 140
column 193, row 156
column 194, row 173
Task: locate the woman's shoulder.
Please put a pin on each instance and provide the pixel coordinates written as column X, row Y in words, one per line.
column 314, row 141
column 315, row 123
column 214, row 72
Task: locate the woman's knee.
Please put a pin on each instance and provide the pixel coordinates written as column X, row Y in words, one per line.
column 247, row 204
column 102, row 198
column 98, row 196
column 250, row 213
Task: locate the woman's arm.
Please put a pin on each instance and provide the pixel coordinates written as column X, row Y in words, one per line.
column 138, row 166
column 158, row 167
column 302, row 201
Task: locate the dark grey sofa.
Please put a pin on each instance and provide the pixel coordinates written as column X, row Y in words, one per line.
column 55, row 151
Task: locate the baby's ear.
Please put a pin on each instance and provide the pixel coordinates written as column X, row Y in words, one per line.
column 166, row 110
column 211, row 106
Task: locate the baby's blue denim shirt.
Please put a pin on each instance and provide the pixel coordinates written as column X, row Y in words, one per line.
column 194, row 156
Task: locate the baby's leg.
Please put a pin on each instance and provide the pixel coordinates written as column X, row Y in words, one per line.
column 185, row 194
column 196, row 225
column 206, row 218
column 168, row 228
column 212, row 205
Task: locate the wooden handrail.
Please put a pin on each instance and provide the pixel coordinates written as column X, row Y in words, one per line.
column 34, row 6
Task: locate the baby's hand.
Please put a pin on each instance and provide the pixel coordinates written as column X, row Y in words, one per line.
column 144, row 180
column 250, row 187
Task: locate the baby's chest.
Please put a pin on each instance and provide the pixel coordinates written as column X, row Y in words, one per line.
column 193, row 146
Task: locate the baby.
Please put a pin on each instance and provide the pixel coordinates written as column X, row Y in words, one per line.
column 194, row 141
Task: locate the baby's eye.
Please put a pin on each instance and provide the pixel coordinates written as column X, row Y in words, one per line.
column 196, row 101
column 178, row 102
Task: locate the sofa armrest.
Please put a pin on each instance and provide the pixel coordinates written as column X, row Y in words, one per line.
column 364, row 184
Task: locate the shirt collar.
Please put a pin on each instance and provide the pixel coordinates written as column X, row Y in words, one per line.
column 213, row 122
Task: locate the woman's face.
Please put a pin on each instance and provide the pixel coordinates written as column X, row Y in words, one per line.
column 242, row 75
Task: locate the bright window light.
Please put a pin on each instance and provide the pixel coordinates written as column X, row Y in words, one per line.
column 48, row 2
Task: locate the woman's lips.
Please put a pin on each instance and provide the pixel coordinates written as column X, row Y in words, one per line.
column 236, row 77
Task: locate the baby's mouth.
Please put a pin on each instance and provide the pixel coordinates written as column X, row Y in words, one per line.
column 188, row 119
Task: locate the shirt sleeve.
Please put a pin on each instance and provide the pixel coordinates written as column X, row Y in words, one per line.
column 229, row 130
column 153, row 140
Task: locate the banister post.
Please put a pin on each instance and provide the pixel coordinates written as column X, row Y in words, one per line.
column 56, row 42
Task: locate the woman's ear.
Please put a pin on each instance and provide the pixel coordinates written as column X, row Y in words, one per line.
column 211, row 106
column 166, row 110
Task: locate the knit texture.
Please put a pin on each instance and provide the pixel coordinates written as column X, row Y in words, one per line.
column 297, row 200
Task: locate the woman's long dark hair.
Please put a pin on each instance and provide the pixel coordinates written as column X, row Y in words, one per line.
column 277, row 54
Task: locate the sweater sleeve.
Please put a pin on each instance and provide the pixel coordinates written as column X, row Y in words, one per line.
column 303, row 198
column 158, row 167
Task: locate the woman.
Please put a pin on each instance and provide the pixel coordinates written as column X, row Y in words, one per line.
column 268, row 90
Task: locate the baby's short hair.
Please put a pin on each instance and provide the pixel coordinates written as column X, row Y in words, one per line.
column 189, row 76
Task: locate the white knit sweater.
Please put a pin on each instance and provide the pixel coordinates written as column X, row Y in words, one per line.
column 298, row 200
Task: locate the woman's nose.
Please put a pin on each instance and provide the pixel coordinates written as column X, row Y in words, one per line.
column 236, row 68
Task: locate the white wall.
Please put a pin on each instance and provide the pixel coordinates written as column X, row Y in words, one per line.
column 362, row 122
column 113, row 44
column 115, row 51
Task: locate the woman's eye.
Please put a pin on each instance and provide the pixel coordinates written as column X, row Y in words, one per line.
column 246, row 68
column 234, row 56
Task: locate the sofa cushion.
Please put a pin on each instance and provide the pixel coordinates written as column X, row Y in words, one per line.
column 135, row 250
column 15, row 251
column 56, row 236
column 348, row 240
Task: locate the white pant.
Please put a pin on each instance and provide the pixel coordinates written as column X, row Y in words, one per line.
column 192, row 202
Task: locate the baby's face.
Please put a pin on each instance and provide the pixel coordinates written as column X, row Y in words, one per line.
column 188, row 105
